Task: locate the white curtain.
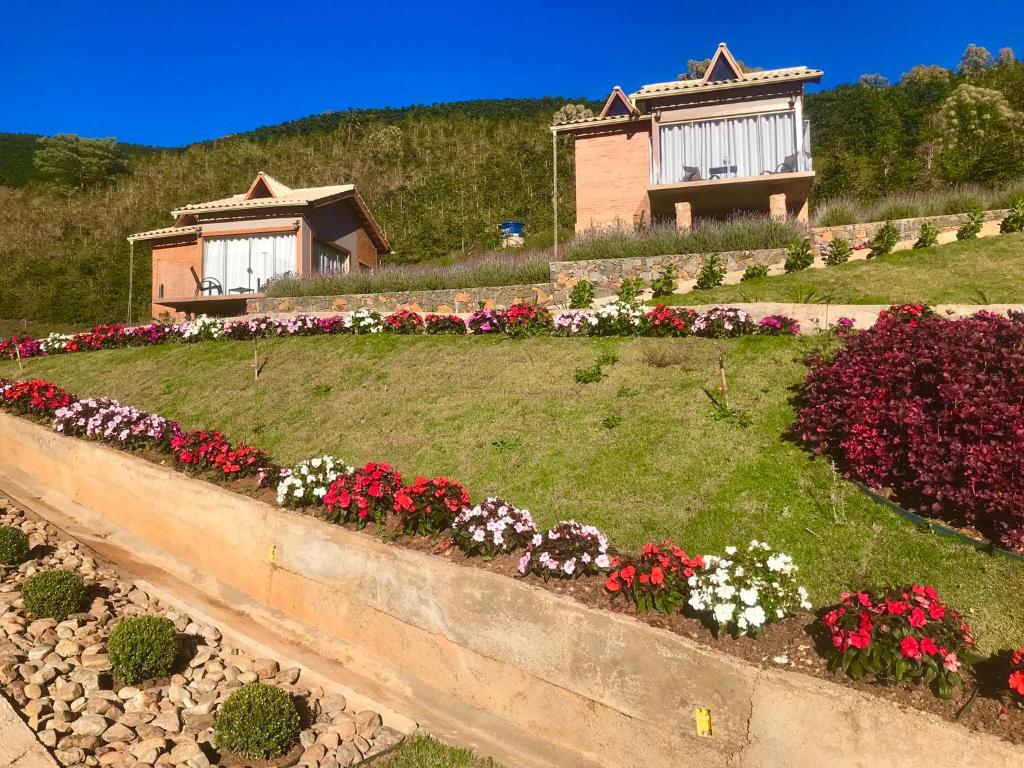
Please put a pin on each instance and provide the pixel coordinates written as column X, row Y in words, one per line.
column 248, row 262
column 733, row 147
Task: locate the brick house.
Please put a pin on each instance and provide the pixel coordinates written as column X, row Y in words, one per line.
column 221, row 252
column 730, row 141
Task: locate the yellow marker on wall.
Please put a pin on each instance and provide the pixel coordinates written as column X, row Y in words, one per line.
column 702, row 716
column 273, row 553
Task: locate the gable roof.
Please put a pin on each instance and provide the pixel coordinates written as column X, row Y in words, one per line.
column 723, row 66
column 618, row 98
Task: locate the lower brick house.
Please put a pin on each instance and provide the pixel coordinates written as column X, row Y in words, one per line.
column 220, row 252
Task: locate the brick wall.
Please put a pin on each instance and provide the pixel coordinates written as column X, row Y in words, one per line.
column 612, row 176
column 366, row 251
column 171, row 262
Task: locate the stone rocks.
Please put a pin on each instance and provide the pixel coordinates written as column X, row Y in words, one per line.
column 90, row 725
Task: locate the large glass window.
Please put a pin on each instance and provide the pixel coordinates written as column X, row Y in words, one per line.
column 248, row 262
column 327, row 258
column 729, row 148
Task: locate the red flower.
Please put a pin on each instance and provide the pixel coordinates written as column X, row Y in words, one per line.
column 917, row 618
column 928, row 646
column 612, row 584
column 1017, row 682
column 910, row 648
column 657, row 575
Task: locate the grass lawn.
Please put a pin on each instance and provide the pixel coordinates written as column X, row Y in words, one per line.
column 984, row 271
column 424, row 752
column 640, row 454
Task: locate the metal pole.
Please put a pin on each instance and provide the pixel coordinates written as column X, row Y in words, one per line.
column 554, row 184
column 131, row 275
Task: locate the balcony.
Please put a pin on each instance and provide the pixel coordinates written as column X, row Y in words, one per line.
column 703, row 152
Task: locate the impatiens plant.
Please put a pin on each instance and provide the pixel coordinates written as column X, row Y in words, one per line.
column 670, row 321
column 405, row 322
column 428, row 505
column 657, row 579
column 721, row 322
column 203, row 328
column 55, row 343
column 487, row 321
column 33, row 397
column 619, row 318
column 567, row 551
column 20, row 347
column 366, row 495
column 437, row 325
column 309, row 482
column 1015, row 682
column 527, row 320
column 910, row 314
column 201, row 450
column 575, row 322
column 109, row 421
column 744, row 591
column 254, row 328
column 778, row 325
column 366, row 321
column 900, row 634
column 493, row 527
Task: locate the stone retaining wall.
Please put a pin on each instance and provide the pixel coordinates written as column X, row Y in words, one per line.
column 909, row 229
column 607, row 274
column 449, row 642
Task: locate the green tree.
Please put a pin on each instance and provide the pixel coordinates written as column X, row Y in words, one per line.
column 975, row 59
column 978, row 137
column 570, row 113
column 74, row 164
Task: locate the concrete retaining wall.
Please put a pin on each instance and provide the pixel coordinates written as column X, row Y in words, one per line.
column 441, row 642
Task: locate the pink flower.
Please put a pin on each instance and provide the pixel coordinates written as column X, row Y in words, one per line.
column 951, row 662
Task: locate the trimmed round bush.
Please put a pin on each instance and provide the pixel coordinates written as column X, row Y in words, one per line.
column 142, row 647
column 53, row 594
column 13, row 545
column 257, row 721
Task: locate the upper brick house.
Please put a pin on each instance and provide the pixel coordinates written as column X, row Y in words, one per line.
column 219, row 251
column 730, row 141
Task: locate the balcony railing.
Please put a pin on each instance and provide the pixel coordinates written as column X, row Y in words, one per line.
column 731, row 148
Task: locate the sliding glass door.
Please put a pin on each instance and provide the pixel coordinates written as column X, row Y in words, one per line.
column 248, row 262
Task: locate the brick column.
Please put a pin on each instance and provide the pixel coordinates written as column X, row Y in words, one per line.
column 777, row 205
column 684, row 216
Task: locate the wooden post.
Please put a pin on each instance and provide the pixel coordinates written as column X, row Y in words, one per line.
column 256, row 358
column 17, row 353
column 725, row 384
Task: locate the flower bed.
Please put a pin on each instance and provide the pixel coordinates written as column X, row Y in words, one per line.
column 931, row 409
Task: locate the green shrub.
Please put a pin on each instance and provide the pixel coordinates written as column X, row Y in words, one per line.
column 799, row 255
column 712, row 273
column 900, row 210
column 754, row 272
column 665, row 283
column 582, row 295
column 258, row 722
column 885, row 240
column 630, row 290
column 928, row 237
column 13, row 545
column 837, row 252
column 970, row 228
column 142, row 647
column 838, row 213
column 1014, row 221
column 53, row 594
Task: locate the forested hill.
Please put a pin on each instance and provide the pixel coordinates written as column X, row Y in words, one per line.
column 439, row 178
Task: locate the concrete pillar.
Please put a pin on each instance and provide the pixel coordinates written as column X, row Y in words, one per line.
column 684, row 216
column 777, row 206
column 803, row 215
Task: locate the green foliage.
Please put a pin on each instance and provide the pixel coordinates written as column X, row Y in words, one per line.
column 53, row 594
column 799, row 255
column 837, row 252
column 665, row 283
column 13, row 545
column 754, row 272
column 1014, row 221
column 570, row 113
column 969, row 229
column 74, row 164
column 582, row 295
column 928, row 236
column 258, row 722
column 142, row 647
column 978, row 136
column 885, row 240
column 630, row 290
column 712, row 272
column 596, row 372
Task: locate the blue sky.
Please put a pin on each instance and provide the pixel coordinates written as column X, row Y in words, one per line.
column 171, row 73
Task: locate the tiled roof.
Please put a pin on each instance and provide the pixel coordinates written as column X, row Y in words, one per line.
column 302, row 196
column 156, row 234
column 656, row 90
column 598, row 120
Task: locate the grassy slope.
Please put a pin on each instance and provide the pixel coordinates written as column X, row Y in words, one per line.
column 978, row 272
column 507, row 417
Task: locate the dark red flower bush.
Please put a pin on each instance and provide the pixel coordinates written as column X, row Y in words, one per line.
column 910, row 314
column 932, row 409
column 900, row 634
column 444, row 324
column 33, row 397
column 404, row 321
column 656, row 579
column 430, row 505
column 367, row 494
column 670, row 321
column 202, row 450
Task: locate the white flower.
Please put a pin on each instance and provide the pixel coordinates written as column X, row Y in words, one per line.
column 723, row 612
column 602, row 561
column 725, row 591
column 755, row 615
column 749, row 596
column 730, row 550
